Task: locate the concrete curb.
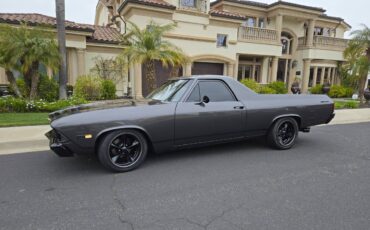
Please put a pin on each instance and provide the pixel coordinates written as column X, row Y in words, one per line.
column 32, row 138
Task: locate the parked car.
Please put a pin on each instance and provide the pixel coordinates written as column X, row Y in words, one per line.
column 184, row 112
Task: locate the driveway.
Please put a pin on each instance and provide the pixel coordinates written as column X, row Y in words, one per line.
column 322, row 183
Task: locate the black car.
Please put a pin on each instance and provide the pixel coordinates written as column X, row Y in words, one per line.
column 184, row 112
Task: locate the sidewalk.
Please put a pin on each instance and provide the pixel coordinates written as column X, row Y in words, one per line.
column 32, row 138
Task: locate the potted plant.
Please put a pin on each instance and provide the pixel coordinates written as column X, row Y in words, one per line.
column 296, row 89
column 326, row 87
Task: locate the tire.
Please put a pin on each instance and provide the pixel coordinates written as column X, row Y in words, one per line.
column 283, row 133
column 122, row 150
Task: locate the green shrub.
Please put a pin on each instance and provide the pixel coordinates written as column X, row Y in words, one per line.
column 251, row 84
column 272, row 88
column 337, row 91
column 266, row 90
column 17, row 105
column 108, row 90
column 317, row 89
column 88, row 87
column 48, row 89
column 278, row 87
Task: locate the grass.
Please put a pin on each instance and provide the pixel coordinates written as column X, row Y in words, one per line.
column 350, row 104
column 22, row 119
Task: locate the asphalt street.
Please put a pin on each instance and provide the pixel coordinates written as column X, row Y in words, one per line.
column 322, row 183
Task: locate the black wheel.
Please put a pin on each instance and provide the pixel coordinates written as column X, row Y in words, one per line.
column 123, row 150
column 283, row 133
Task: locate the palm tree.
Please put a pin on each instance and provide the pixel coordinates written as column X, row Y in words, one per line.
column 60, row 16
column 24, row 49
column 145, row 46
column 361, row 47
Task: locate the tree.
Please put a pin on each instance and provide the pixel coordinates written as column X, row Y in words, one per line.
column 25, row 49
column 145, row 46
column 60, row 16
column 358, row 54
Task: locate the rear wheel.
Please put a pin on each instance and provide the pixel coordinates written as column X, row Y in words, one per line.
column 283, row 133
column 122, row 150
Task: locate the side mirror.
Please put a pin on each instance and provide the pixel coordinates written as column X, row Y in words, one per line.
column 205, row 99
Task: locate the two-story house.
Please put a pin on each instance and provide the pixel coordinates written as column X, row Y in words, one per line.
column 243, row 39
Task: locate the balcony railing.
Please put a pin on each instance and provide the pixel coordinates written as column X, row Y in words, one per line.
column 322, row 42
column 252, row 34
column 193, row 5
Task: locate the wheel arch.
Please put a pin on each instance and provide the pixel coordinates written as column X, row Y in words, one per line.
column 296, row 117
column 104, row 132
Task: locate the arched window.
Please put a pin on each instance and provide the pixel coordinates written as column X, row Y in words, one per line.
column 287, row 43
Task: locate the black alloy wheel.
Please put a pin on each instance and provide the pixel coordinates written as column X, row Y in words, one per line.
column 123, row 150
column 283, row 133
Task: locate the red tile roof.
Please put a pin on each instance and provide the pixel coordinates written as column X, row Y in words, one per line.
column 100, row 33
column 105, row 35
column 227, row 14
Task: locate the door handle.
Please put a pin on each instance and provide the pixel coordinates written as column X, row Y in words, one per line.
column 238, row 107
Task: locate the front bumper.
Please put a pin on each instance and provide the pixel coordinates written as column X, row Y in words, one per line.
column 330, row 118
column 58, row 144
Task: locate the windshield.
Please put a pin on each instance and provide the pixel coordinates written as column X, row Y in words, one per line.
column 170, row 91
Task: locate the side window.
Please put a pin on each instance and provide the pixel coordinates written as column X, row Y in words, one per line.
column 216, row 91
column 195, row 95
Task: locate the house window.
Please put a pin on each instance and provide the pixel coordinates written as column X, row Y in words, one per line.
column 250, row 22
column 321, row 31
column 221, row 40
column 261, row 22
column 188, row 3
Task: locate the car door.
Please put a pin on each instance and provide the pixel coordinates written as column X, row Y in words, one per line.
column 219, row 119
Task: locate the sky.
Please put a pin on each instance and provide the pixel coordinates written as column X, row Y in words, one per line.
column 354, row 12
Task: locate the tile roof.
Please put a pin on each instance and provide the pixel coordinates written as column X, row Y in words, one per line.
column 226, row 14
column 157, row 3
column 105, row 35
column 99, row 33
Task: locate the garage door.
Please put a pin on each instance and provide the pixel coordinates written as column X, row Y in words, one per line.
column 162, row 74
column 202, row 68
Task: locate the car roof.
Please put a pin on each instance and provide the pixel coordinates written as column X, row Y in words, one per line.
column 207, row 77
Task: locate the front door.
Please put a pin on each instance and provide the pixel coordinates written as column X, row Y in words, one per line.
column 219, row 119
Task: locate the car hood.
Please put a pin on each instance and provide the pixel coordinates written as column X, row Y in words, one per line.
column 100, row 106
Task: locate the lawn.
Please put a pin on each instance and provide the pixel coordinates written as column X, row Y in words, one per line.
column 21, row 119
column 346, row 104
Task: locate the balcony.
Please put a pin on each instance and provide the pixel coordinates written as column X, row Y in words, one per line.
column 257, row 35
column 324, row 43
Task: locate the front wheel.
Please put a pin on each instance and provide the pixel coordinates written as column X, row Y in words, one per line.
column 283, row 133
column 123, row 150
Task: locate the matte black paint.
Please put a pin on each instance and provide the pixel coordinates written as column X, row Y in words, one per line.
column 172, row 125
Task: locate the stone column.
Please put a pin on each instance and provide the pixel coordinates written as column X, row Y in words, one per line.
column 81, row 66
column 230, row 70
column 254, row 73
column 3, row 77
column 310, row 31
column 315, row 75
column 279, row 26
column 138, row 81
column 49, row 72
column 329, row 75
column 274, row 69
column 306, row 74
column 333, row 73
column 265, row 70
column 323, row 70
column 187, row 70
column 236, row 68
